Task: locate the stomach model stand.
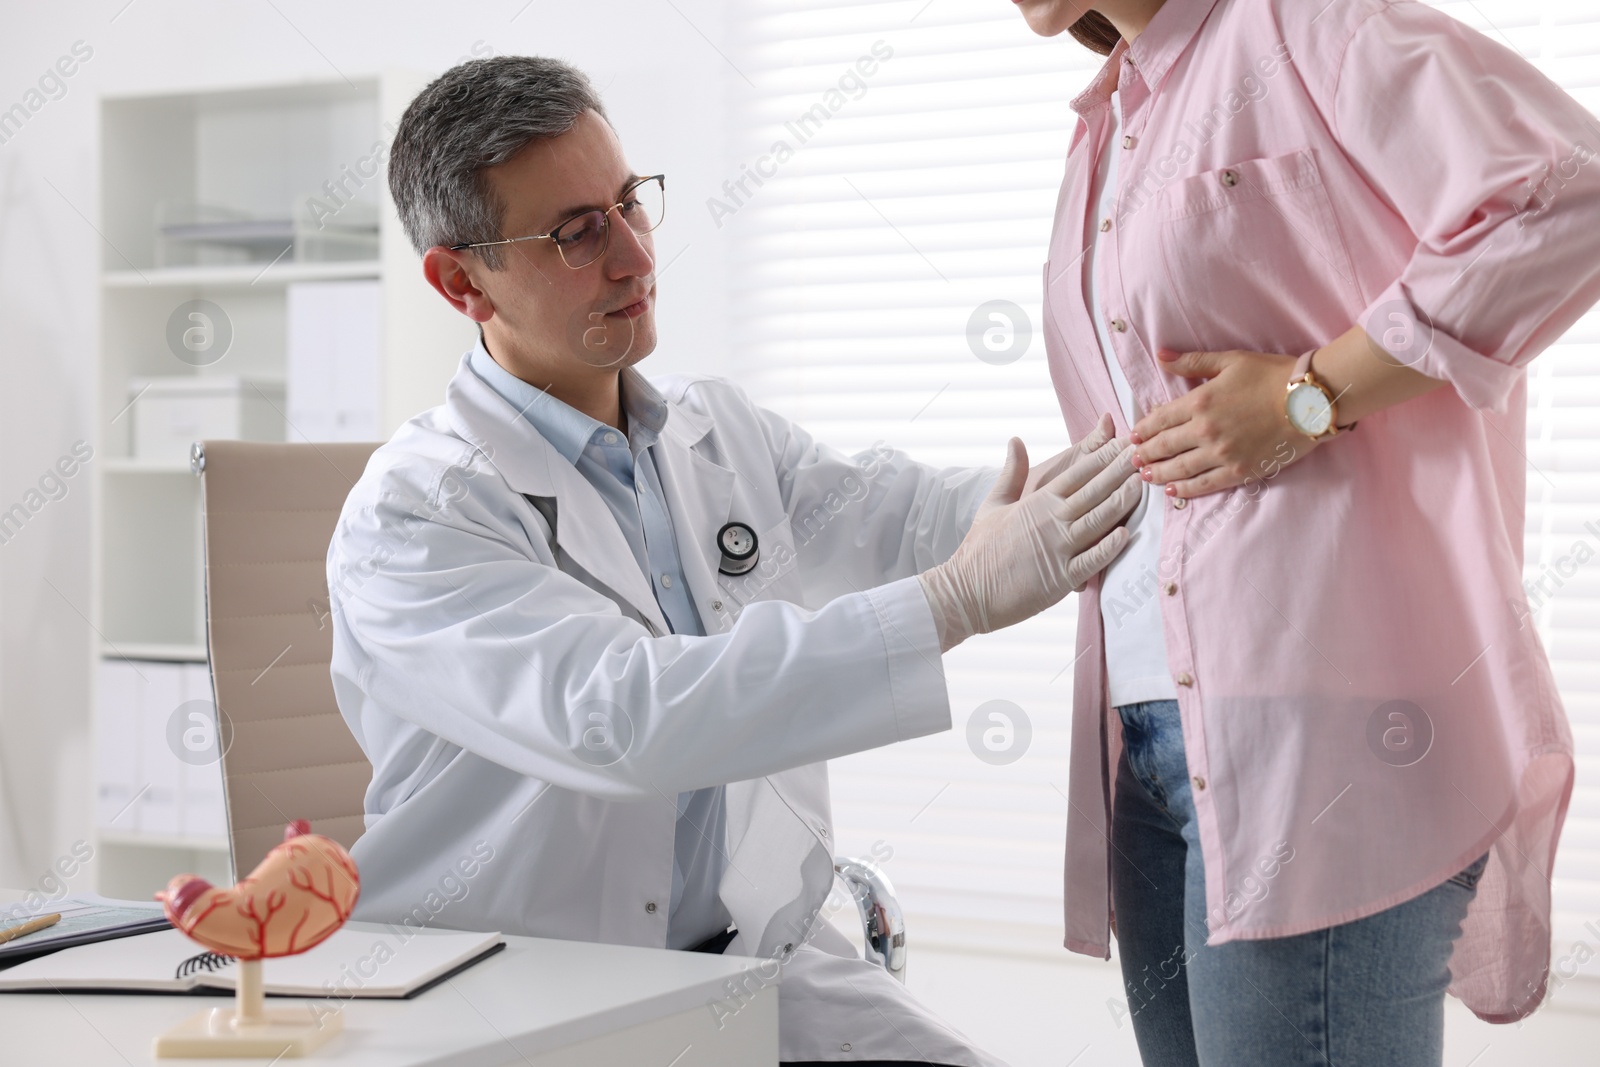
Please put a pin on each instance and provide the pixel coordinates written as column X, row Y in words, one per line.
column 300, row 893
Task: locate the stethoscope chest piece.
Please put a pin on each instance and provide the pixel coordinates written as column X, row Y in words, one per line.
column 737, row 543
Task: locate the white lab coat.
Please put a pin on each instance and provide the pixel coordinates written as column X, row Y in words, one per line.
column 473, row 645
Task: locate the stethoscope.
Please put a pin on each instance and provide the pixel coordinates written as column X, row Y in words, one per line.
column 739, row 548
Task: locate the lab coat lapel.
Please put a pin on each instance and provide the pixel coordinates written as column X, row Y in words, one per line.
column 699, row 498
column 585, row 528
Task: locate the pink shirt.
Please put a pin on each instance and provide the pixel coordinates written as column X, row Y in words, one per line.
column 1366, row 705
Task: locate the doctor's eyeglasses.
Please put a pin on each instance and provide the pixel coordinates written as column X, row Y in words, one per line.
column 582, row 239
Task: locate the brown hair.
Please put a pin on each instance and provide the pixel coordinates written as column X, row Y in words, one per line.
column 1095, row 32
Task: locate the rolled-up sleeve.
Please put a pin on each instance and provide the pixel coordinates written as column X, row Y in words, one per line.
column 1493, row 167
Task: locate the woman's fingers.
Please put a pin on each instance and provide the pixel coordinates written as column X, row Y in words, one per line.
column 1162, row 417
column 1175, row 441
column 1185, row 465
column 1212, row 481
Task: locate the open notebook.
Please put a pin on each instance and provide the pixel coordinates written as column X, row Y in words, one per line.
column 369, row 961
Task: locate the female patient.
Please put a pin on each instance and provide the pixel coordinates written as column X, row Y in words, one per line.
column 1319, row 762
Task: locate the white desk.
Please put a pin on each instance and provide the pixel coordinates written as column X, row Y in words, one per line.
column 538, row 1003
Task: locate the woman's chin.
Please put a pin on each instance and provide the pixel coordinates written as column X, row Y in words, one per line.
column 1048, row 18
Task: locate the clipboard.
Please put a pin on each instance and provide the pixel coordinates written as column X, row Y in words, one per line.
column 84, row 921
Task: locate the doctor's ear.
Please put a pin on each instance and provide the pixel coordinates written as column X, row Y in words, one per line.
column 446, row 270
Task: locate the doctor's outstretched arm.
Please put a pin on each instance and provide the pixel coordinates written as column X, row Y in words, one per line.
column 459, row 631
column 865, row 519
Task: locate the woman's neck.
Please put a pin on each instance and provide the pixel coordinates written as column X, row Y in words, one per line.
column 1130, row 17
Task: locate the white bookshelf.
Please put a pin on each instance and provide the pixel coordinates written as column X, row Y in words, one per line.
column 205, row 196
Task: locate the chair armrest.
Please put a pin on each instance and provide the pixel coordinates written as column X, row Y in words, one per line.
column 883, row 925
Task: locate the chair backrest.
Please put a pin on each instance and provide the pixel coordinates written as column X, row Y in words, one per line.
column 269, row 513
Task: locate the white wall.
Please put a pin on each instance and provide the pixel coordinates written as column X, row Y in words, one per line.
column 663, row 84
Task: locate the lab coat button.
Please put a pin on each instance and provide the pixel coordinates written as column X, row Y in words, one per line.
column 666, row 581
column 1230, row 178
column 1199, row 782
column 716, row 605
column 611, row 438
column 1171, row 588
column 1180, row 503
column 650, row 906
column 1119, row 325
column 822, row 831
column 845, row 1047
column 1185, row 679
column 1127, row 142
column 1105, row 224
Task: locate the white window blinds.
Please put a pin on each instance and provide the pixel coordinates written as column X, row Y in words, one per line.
column 895, row 168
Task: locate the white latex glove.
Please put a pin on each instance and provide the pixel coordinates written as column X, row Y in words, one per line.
column 1043, row 471
column 1024, row 552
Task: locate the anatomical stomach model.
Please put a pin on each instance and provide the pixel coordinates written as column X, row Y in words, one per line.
column 301, row 892
column 296, row 897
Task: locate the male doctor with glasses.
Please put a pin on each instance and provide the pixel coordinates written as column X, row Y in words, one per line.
column 575, row 629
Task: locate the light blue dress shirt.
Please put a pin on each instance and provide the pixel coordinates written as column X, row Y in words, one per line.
column 624, row 473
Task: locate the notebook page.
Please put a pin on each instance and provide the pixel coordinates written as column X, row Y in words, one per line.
column 373, row 961
column 369, row 961
column 143, row 961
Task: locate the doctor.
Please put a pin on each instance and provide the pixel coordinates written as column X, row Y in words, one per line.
column 599, row 634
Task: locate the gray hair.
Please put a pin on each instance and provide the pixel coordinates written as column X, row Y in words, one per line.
column 474, row 116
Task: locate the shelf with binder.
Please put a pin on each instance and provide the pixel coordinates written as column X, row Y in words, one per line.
column 240, row 276
column 158, row 771
column 255, row 284
column 195, row 331
column 190, row 232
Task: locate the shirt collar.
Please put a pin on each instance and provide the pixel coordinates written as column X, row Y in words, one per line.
column 564, row 426
column 1171, row 31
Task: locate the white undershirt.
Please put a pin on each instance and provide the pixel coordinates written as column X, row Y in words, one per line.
column 1130, row 608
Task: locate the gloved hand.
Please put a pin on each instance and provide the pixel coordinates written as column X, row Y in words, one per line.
column 1025, row 551
column 1042, row 472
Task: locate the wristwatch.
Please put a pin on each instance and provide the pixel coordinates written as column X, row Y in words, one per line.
column 1310, row 405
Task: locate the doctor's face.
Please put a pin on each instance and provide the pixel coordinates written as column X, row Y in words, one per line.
column 554, row 318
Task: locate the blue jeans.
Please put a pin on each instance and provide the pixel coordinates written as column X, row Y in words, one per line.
column 1364, row 992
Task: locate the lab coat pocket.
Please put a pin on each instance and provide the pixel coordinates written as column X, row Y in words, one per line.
column 1255, row 258
column 773, row 577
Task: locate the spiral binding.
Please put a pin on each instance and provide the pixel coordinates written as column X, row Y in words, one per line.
column 205, row 961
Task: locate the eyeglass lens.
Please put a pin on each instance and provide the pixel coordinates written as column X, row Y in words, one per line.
column 582, row 240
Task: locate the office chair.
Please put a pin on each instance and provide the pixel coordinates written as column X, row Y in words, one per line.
column 269, row 512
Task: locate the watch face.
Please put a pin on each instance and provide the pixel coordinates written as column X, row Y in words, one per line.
column 1309, row 410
